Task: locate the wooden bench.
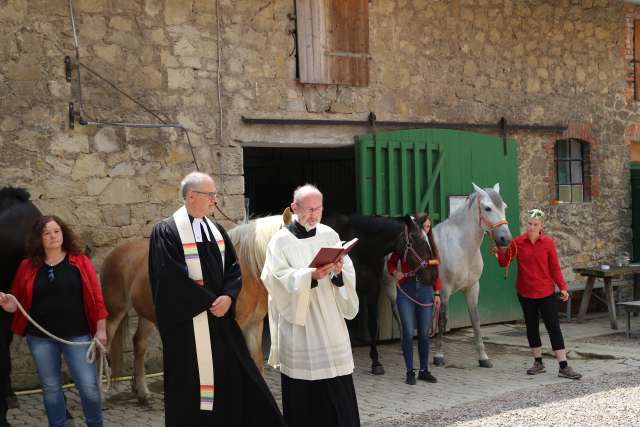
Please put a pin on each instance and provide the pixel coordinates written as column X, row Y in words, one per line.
column 593, row 273
column 630, row 307
column 574, row 287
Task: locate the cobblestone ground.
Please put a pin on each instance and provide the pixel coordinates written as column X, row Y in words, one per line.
column 386, row 400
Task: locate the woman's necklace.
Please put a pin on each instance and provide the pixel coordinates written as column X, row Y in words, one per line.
column 56, row 260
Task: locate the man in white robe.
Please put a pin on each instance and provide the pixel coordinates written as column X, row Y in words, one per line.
column 310, row 342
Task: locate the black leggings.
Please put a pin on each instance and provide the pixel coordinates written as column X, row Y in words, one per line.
column 546, row 307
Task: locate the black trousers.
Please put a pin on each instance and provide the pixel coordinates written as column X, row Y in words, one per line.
column 321, row 403
column 533, row 309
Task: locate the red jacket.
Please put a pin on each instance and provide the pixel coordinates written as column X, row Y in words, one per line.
column 405, row 268
column 538, row 267
column 22, row 289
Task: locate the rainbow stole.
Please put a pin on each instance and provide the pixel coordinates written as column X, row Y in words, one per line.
column 202, row 336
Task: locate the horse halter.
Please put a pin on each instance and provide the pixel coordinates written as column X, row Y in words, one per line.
column 491, row 225
column 409, row 248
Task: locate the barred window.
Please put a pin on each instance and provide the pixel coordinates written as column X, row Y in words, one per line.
column 572, row 171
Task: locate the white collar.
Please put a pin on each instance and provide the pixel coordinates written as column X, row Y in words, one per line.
column 199, row 225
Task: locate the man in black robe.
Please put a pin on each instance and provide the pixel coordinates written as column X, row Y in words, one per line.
column 241, row 397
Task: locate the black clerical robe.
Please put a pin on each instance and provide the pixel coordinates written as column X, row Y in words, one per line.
column 241, row 397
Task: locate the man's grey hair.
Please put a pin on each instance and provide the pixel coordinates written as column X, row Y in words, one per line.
column 303, row 191
column 191, row 181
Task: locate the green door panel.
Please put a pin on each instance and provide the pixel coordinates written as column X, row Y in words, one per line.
column 404, row 172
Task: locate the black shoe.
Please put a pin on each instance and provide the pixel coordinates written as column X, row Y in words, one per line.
column 426, row 376
column 568, row 372
column 411, row 378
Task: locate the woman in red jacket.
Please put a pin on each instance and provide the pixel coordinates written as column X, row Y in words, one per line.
column 538, row 274
column 415, row 301
column 58, row 286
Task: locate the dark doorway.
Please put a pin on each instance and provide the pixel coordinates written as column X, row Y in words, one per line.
column 271, row 175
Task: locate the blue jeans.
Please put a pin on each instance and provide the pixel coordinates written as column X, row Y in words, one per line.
column 46, row 354
column 409, row 313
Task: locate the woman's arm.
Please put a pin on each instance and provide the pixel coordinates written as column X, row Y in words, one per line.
column 101, row 331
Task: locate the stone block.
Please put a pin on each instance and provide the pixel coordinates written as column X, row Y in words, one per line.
column 106, row 140
column 152, row 7
column 122, row 191
column 92, row 27
column 177, row 11
column 180, row 78
column 26, row 67
column 110, row 53
column 88, row 165
column 121, row 23
column 74, row 142
column 117, row 216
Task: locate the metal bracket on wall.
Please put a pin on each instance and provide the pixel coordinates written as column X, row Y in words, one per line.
column 503, row 131
column 371, row 122
column 72, row 116
column 67, row 68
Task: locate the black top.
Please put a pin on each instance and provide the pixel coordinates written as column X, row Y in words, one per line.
column 57, row 303
column 300, row 232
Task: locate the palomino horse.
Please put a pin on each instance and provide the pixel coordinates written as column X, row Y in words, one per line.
column 379, row 236
column 125, row 285
column 459, row 239
column 17, row 216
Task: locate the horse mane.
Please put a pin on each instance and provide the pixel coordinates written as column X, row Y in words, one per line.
column 375, row 224
column 251, row 239
column 19, row 194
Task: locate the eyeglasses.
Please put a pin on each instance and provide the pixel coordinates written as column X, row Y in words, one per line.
column 310, row 210
column 52, row 277
column 536, row 214
column 211, row 195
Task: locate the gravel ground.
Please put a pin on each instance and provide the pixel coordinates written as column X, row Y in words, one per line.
column 618, row 339
column 609, row 400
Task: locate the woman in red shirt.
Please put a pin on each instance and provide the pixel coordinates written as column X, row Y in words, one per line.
column 538, row 274
column 415, row 301
column 58, row 286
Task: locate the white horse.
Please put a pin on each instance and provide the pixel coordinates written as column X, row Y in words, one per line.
column 459, row 239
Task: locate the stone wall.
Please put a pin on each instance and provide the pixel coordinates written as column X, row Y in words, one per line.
column 543, row 62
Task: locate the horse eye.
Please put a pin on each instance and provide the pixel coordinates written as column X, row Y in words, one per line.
column 488, row 209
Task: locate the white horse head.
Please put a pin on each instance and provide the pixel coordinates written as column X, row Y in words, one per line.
column 491, row 213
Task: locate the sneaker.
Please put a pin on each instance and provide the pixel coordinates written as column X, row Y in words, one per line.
column 411, row 378
column 568, row 372
column 537, row 368
column 426, row 376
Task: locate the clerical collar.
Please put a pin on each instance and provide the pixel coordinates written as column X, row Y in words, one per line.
column 299, row 231
column 199, row 225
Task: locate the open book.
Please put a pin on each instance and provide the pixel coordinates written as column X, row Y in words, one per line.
column 328, row 255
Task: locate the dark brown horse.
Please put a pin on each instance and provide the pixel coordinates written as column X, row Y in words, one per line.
column 377, row 237
column 17, row 216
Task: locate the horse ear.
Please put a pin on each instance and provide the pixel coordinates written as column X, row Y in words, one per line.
column 287, row 216
column 496, row 187
column 478, row 189
column 408, row 220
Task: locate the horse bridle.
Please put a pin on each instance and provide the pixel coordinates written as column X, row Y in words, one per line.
column 409, row 248
column 491, row 225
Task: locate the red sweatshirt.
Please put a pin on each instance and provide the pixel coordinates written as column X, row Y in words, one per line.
column 405, row 268
column 538, row 267
column 22, row 289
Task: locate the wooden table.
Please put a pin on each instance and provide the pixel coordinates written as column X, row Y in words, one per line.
column 593, row 273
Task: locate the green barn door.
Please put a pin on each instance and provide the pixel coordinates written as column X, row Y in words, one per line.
column 410, row 171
